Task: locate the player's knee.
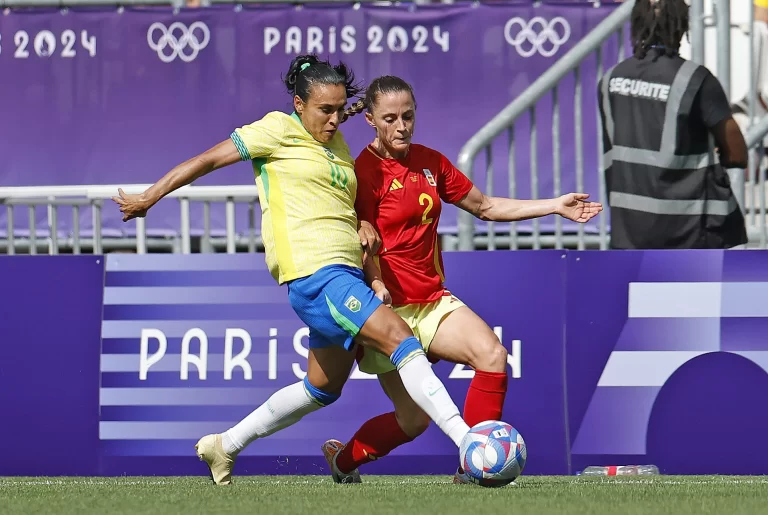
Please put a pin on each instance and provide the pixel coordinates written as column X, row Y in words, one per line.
column 385, row 332
column 413, row 422
column 489, row 356
column 395, row 331
column 400, row 334
column 320, row 396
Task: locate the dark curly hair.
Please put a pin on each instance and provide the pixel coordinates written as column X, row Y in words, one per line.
column 306, row 70
column 661, row 23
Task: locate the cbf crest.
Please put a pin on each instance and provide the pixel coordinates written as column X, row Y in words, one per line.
column 353, row 304
column 430, row 177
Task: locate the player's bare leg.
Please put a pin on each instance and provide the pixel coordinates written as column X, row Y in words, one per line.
column 410, row 417
column 463, row 337
column 328, row 368
column 387, row 333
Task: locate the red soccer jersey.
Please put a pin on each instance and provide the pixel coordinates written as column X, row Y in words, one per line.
column 401, row 199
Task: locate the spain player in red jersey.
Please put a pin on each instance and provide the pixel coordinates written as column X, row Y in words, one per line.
column 401, row 186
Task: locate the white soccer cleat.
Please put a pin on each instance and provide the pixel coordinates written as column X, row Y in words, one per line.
column 331, row 450
column 210, row 450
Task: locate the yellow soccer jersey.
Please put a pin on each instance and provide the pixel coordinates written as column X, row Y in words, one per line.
column 307, row 195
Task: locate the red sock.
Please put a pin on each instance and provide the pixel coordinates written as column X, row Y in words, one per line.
column 485, row 398
column 376, row 438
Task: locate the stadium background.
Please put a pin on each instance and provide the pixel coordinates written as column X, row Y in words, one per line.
column 89, row 101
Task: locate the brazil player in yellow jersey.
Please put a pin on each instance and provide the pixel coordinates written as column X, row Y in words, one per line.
column 314, row 244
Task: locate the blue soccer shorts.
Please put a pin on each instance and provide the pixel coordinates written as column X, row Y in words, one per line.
column 334, row 302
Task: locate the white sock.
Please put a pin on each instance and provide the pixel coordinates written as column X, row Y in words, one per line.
column 426, row 389
column 284, row 408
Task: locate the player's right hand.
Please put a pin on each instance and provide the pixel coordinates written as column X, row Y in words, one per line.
column 384, row 296
column 131, row 205
column 381, row 292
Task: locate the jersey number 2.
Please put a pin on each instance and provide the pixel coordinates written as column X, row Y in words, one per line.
column 425, row 199
column 338, row 177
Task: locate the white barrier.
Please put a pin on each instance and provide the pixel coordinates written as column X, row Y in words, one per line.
column 93, row 196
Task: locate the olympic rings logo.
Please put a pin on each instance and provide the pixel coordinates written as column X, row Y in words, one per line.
column 537, row 35
column 178, row 38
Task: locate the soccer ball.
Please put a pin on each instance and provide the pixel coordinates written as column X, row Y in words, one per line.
column 493, row 453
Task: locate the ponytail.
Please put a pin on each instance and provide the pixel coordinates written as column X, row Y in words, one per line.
column 356, row 108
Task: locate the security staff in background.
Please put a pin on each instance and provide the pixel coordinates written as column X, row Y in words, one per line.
column 668, row 133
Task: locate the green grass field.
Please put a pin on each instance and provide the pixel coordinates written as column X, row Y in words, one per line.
column 397, row 495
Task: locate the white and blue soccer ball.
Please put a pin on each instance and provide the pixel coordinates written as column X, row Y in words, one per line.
column 493, row 454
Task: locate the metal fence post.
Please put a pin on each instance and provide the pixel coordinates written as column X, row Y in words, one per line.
column 696, row 17
column 724, row 45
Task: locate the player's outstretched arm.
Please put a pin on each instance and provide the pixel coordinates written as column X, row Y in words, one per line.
column 137, row 205
column 573, row 206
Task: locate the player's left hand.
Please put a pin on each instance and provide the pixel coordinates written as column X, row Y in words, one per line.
column 131, row 205
column 576, row 207
column 369, row 239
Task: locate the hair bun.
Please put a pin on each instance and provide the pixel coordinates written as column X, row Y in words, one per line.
column 298, row 64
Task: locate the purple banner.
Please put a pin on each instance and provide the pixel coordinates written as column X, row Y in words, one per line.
column 192, row 344
column 50, row 318
column 135, row 413
column 615, row 358
column 665, row 351
column 121, row 96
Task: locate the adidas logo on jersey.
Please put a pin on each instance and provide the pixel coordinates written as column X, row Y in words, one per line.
column 395, row 185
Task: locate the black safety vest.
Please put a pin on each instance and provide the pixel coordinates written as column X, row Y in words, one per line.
column 666, row 188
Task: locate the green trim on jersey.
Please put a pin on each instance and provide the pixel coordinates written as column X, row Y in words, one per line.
column 241, row 148
column 340, row 319
column 260, row 168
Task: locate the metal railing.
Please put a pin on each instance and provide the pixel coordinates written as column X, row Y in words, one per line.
column 591, row 45
column 486, row 142
column 80, row 198
column 750, row 186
